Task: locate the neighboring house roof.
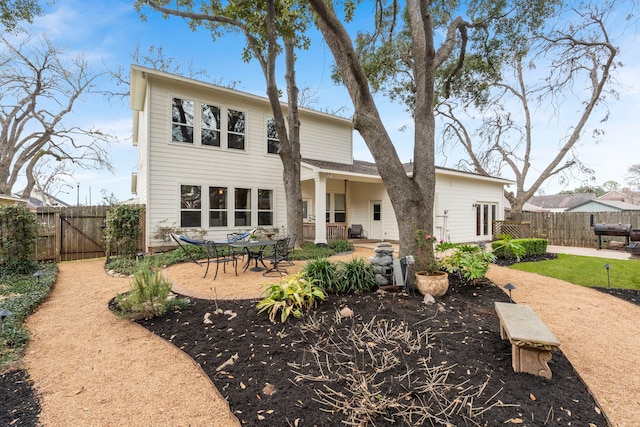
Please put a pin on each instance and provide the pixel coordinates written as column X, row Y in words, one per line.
column 558, row 202
column 38, row 199
column 362, row 168
column 597, row 205
column 8, row 199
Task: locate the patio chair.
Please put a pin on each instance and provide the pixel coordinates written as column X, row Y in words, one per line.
column 292, row 244
column 278, row 255
column 355, row 231
column 215, row 253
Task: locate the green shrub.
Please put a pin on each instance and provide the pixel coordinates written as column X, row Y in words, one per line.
column 508, row 247
column 150, row 295
column 292, row 296
column 322, row 272
column 18, row 236
column 123, row 230
column 354, row 276
column 21, row 294
column 311, row 251
column 339, row 246
column 471, row 262
column 518, row 248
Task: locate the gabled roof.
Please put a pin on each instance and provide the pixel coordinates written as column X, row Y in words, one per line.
column 616, row 204
column 560, row 201
column 362, row 168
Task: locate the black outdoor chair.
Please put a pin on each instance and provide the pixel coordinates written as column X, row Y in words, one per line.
column 216, row 253
column 292, row 245
column 355, row 231
column 278, row 255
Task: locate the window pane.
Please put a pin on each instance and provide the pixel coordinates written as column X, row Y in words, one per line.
column 190, row 197
column 190, row 219
column 305, row 209
column 182, row 133
column 210, row 116
column 340, row 217
column 211, row 137
column 273, row 147
column 217, row 198
column 485, row 224
column 235, row 121
column 217, row 219
column 242, row 219
column 340, row 202
column 265, row 199
column 265, row 218
column 236, row 141
column 377, row 212
column 243, row 198
column 182, row 111
column 478, row 220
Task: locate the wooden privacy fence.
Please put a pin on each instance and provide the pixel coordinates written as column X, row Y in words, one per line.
column 564, row 228
column 73, row 233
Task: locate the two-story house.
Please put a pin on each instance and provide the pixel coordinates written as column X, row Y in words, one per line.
column 208, row 164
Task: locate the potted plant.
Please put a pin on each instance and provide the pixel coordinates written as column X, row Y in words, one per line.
column 430, row 279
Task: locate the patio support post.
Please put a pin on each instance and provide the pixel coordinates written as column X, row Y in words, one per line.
column 320, row 181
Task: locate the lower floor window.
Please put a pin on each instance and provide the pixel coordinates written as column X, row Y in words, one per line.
column 265, row 207
column 190, row 206
column 242, row 207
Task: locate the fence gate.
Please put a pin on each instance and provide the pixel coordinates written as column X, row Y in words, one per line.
column 82, row 232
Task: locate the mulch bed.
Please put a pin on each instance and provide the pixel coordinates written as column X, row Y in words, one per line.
column 371, row 368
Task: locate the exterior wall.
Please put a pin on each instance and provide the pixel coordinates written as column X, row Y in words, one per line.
column 163, row 165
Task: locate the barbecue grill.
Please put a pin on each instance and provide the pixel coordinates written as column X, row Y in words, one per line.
column 613, row 230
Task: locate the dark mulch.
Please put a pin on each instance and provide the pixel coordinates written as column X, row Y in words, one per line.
column 463, row 349
column 462, row 354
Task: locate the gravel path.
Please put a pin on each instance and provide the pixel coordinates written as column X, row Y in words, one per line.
column 91, row 368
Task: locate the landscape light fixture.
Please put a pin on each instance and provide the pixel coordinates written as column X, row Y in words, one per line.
column 3, row 315
column 37, row 275
column 510, row 287
column 608, row 266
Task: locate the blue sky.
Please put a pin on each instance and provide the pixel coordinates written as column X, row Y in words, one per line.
column 107, row 33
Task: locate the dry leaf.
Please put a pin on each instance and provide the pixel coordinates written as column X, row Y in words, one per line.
column 75, row 392
column 514, row 421
column 242, row 385
column 598, row 411
column 269, row 389
column 270, row 411
column 531, row 396
column 207, row 319
column 296, row 423
column 261, row 417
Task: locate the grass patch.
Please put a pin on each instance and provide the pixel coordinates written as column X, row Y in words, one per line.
column 587, row 271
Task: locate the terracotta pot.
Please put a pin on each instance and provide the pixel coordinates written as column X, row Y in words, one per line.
column 435, row 283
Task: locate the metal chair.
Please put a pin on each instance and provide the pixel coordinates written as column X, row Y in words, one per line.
column 292, row 245
column 279, row 254
column 355, row 231
column 215, row 253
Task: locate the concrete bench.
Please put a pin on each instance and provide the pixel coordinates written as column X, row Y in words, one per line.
column 531, row 341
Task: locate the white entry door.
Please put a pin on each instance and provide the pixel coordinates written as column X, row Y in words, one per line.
column 375, row 220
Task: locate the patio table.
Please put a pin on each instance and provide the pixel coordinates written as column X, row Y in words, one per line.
column 254, row 250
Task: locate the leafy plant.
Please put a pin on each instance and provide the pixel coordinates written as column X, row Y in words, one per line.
column 291, row 296
column 123, row 230
column 150, row 294
column 340, row 246
column 311, row 251
column 19, row 233
column 424, row 257
column 471, row 262
column 354, row 276
column 21, row 294
column 322, row 272
column 507, row 247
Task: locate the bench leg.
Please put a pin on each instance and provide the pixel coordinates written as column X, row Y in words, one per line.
column 531, row 360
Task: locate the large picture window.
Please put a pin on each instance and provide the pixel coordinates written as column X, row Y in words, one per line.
column 217, row 206
column 242, row 207
column 236, row 129
column 210, row 125
column 190, row 206
column 182, row 115
column 265, row 207
column 273, row 142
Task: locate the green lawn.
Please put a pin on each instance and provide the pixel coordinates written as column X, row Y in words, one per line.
column 587, row 271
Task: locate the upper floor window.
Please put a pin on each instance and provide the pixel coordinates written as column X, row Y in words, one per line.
column 236, row 129
column 273, row 142
column 217, row 206
column 210, row 125
column 265, row 207
column 190, row 206
column 182, row 120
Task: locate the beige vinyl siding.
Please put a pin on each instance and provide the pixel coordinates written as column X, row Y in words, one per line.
column 173, row 164
column 322, row 140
